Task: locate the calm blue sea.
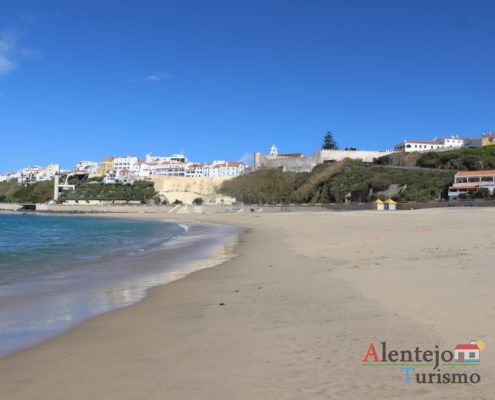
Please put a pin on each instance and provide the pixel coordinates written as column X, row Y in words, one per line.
column 33, row 245
column 56, row 271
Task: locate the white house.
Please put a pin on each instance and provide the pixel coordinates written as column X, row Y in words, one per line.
column 467, row 352
column 9, row 176
column 129, row 163
column 227, row 169
column 418, row 145
column 470, row 181
column 37, row 174
column 196, row 171
column 452, row 142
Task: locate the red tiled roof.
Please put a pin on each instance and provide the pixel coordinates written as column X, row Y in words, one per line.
column 471, row 173
column 423, row 142
column 467, row 347
column 464, row 187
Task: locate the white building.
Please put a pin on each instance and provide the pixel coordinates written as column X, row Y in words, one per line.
column 164, row 168
column 196, row 171
column 9, row 176
column 192, row 170
column 417, row 145
column 110, row 177
column 452, row 142
column 166, row 159
column 129, row 163
column 89, row 166
column 226, row 169
column 36, row 173
column 471, row 181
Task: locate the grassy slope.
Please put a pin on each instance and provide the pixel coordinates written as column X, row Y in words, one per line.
column 41, row 192
column 12, row 192
column 332, row 182
column 461, row 159
column 137, row 191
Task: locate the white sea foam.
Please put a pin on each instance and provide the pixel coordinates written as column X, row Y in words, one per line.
column 74, row 294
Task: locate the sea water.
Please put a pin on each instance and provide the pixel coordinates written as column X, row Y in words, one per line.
column 56, row 271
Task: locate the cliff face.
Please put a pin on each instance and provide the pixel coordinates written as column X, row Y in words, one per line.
column 186, row 190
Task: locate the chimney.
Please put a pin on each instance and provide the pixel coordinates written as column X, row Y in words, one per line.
column 473, row 341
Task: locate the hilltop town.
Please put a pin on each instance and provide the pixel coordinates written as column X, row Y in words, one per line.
column 130, row 168
column 177, row 179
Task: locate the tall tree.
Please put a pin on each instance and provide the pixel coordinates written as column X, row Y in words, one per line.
column 329, row 142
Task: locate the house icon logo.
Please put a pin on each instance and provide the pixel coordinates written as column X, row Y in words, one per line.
column 465, row 353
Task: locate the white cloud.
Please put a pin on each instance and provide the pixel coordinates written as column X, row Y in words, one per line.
column 247, row 159
column 8, row 51
column 11, row 52
column 157, row 77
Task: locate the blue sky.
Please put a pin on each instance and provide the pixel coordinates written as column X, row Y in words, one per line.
column 218, row 79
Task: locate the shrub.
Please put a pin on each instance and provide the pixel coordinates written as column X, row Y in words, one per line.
column 482, row 193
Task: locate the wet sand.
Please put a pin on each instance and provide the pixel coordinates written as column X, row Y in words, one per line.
column 291, row 317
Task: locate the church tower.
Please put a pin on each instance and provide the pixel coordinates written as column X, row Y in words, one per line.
column 273, row 151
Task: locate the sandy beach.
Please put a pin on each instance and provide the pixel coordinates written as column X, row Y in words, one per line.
column 291, row 317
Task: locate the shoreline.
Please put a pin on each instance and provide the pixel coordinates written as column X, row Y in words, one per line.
column 86, row 289
column 302, row 300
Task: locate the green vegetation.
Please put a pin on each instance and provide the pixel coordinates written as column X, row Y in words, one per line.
column 198, row 201
column 329, row 142
column 99, row 191
column 13, row 192
column 460, row 159
column 264, row 186
column 338, row 182
column 94, row 189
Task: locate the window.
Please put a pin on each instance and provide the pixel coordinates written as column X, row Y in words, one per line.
column 472, row 354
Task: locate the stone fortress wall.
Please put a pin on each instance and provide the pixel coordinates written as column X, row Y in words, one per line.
column 307, row 163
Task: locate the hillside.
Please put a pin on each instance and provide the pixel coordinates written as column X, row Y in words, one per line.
column 42, row 192
column 461, row 159
column 100, row 191
column 343, row 181
column 12, row 192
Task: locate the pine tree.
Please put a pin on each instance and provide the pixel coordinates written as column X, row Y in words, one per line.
column 329, row 142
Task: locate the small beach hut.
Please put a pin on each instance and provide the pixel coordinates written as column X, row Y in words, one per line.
column 379, row 205
column 390, row 205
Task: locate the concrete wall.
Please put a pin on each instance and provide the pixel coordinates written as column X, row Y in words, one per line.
column 307, row 163
column 9, row 206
